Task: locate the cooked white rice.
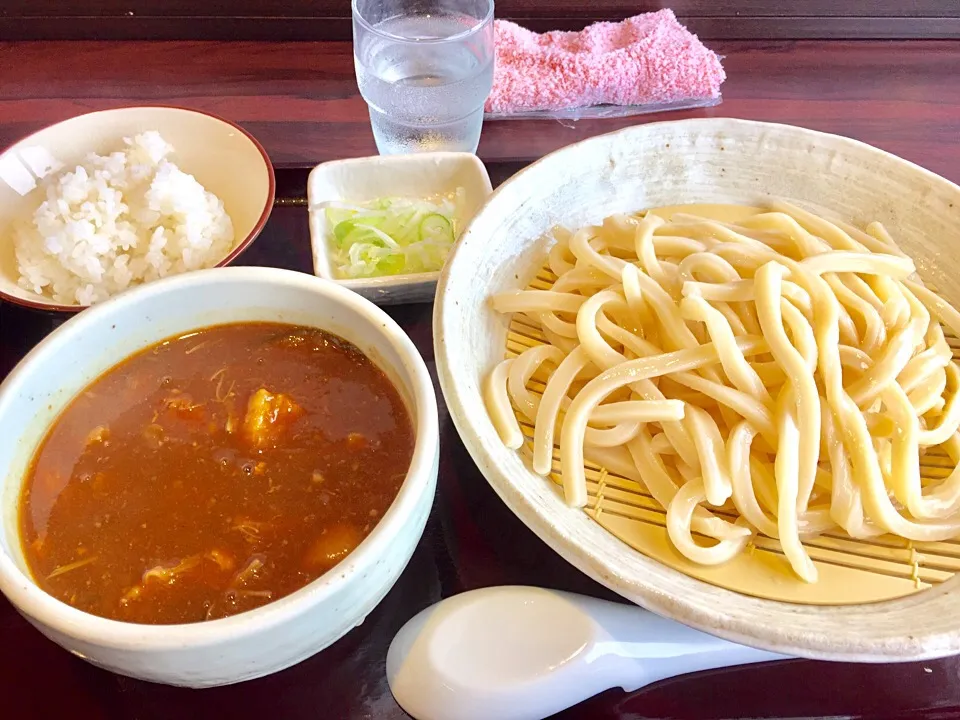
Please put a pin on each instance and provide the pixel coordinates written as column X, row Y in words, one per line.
column 117, row 221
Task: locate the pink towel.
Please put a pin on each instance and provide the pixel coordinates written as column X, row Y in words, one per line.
column 650, row 58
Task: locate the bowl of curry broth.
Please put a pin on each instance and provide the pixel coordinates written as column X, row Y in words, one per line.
column 214, row 476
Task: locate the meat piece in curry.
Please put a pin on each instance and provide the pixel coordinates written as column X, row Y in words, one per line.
column 267, row 414
column 213, row 473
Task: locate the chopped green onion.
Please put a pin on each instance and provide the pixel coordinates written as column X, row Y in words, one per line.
column 390, row 236
column 436, row 226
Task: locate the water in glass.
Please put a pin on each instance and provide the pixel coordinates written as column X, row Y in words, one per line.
column 425, row 76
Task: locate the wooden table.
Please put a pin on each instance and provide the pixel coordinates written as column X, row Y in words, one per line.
column 301, row 101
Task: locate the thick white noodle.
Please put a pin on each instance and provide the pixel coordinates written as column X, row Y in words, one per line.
column 784, row 367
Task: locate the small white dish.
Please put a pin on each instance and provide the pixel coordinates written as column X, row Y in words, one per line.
column 363, row 179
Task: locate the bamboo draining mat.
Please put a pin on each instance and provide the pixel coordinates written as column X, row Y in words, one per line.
column 851, row 571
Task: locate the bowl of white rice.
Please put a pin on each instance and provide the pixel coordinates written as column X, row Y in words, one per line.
column 103, row 202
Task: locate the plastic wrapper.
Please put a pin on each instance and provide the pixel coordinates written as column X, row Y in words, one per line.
column 600, row 112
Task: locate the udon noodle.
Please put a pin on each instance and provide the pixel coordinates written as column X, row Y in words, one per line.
column 776, row 374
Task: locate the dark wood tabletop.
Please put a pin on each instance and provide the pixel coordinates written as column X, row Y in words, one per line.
column 301, row 101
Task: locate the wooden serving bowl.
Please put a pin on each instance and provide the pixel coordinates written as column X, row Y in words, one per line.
column 670, row 163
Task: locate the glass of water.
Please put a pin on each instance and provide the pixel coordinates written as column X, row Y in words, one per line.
column 425, row 68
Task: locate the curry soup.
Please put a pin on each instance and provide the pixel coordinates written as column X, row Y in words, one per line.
column 213, row 473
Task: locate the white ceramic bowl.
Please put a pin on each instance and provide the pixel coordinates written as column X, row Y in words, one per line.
column 278, row 634
column 362, row 179
column 223, row 157
column 713, row 161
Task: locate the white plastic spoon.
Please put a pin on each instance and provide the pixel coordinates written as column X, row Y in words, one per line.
column 523, row 653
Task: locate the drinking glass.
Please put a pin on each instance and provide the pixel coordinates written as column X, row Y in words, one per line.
column 425, row 68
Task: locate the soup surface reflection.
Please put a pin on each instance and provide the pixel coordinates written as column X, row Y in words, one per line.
column 213, row 473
